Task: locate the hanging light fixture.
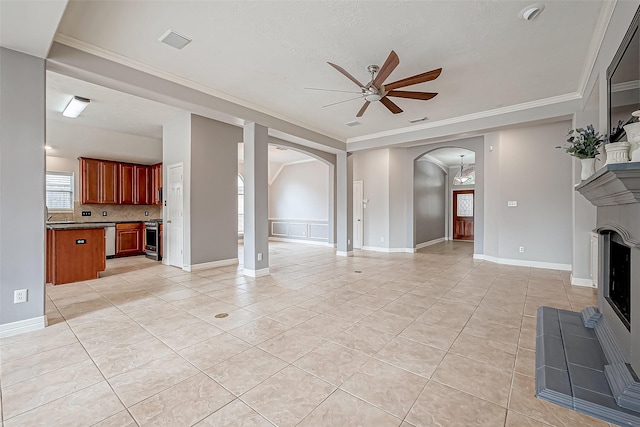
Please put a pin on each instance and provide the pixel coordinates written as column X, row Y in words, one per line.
column 464, row 176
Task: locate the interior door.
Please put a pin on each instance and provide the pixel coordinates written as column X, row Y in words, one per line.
column 175, row 216
column 357, row 214
column 463, row 202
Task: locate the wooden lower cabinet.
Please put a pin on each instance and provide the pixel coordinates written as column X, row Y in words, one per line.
column 129, row 239
column 74, row 255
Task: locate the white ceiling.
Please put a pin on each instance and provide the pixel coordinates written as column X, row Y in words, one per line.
column 262, row 55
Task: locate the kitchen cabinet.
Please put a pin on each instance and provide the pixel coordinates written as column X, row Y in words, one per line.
column 156, row 184
column 129, row 238
column 74, row 255
column 99, row 183
column 127, row 183
column 143, row 185
column 134, row 184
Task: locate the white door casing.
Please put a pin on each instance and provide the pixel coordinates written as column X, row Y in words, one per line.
column 175, row 213
column 358, row 217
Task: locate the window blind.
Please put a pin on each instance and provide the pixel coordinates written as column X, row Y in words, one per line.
column 59, row 190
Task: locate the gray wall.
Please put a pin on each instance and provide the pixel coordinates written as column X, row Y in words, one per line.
column 214, row 190
column 534, row 173
column 429, row 201
column 301, row 191
column 372, row 167
column 22, row 207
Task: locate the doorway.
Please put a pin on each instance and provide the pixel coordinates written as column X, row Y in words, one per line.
column 358, row 226
column 175, row 216
column 463, row 206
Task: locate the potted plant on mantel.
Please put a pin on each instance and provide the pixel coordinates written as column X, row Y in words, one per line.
column 617, row 148
column 584, row 144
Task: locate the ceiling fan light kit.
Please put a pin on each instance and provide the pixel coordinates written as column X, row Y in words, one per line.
column 376, row 90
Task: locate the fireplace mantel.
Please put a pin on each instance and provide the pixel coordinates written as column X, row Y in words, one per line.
column 614, row 184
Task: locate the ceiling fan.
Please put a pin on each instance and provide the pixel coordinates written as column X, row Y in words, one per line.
column 375, row 90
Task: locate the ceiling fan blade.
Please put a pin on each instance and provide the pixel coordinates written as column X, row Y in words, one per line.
column 414, row 80
column 340, row 102
column 387, row 68
column 412, row 95
column 363, row 109
column 332, row 90
column 390, row 105
column 347, row 75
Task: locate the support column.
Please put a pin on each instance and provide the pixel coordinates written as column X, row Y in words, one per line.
column 22, row 191
column 256, row 200
column 344, row 203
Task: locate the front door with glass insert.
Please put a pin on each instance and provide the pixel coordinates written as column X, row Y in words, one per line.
column 463, row 215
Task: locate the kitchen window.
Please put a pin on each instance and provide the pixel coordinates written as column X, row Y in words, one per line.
column 59, row 191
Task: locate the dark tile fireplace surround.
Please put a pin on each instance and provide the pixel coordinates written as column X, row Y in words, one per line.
column 590, row 361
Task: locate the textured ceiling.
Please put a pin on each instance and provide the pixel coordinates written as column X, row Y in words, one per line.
column 263, row 53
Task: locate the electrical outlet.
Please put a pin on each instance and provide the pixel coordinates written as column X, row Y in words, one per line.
column 146, row 213
column 259, row 256
column 348, row 242
column 382, row 240
column 86, row 213
column 19, row 296
column 521, row 249
column 104, row 213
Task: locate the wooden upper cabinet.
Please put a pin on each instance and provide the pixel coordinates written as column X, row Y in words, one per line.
column 156, row 184
column 127, row 183
column 99, row 183
column 90, row 171
column 142, row 186
column 109, row 183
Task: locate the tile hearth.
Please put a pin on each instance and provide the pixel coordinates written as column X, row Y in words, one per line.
column 432, row 338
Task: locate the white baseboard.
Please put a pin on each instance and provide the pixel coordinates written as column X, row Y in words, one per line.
column 388, row 250
column 305, row 242
column 577, row 281
column 214, row 264
column 343, row 253
column 524, row 262
column 430, row 242
column 22, row 326
column 256, row 273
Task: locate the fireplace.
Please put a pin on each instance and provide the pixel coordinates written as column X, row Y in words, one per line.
column 590, row 361
column 616, row 263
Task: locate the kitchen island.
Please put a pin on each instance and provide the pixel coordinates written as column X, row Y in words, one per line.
column 75, row 251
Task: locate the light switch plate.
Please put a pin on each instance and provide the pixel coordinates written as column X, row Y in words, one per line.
column 512, row 203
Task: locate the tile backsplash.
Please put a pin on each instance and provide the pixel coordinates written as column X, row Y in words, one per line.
column 114, row 213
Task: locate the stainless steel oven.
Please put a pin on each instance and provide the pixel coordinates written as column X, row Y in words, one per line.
column 152, row 239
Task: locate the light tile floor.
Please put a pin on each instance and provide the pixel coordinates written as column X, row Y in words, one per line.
column 433, row 338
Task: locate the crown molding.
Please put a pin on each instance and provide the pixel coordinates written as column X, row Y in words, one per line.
column 596, row 42
column 139, row 66
column 469, row 117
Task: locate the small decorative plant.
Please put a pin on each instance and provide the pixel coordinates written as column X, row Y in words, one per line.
column 583, row 143
column 618, row 132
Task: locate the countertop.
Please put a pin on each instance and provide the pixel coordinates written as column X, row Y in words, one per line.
column 72, row 225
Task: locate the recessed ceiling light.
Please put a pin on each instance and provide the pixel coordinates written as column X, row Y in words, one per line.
column 174, row 39
column 531, row 12
column 75, row 107
column 417, row 120
column 353, row 123
column 48, row 147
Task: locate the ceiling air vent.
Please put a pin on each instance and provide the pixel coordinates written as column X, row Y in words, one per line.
column 174, row 39
column 353, row 123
